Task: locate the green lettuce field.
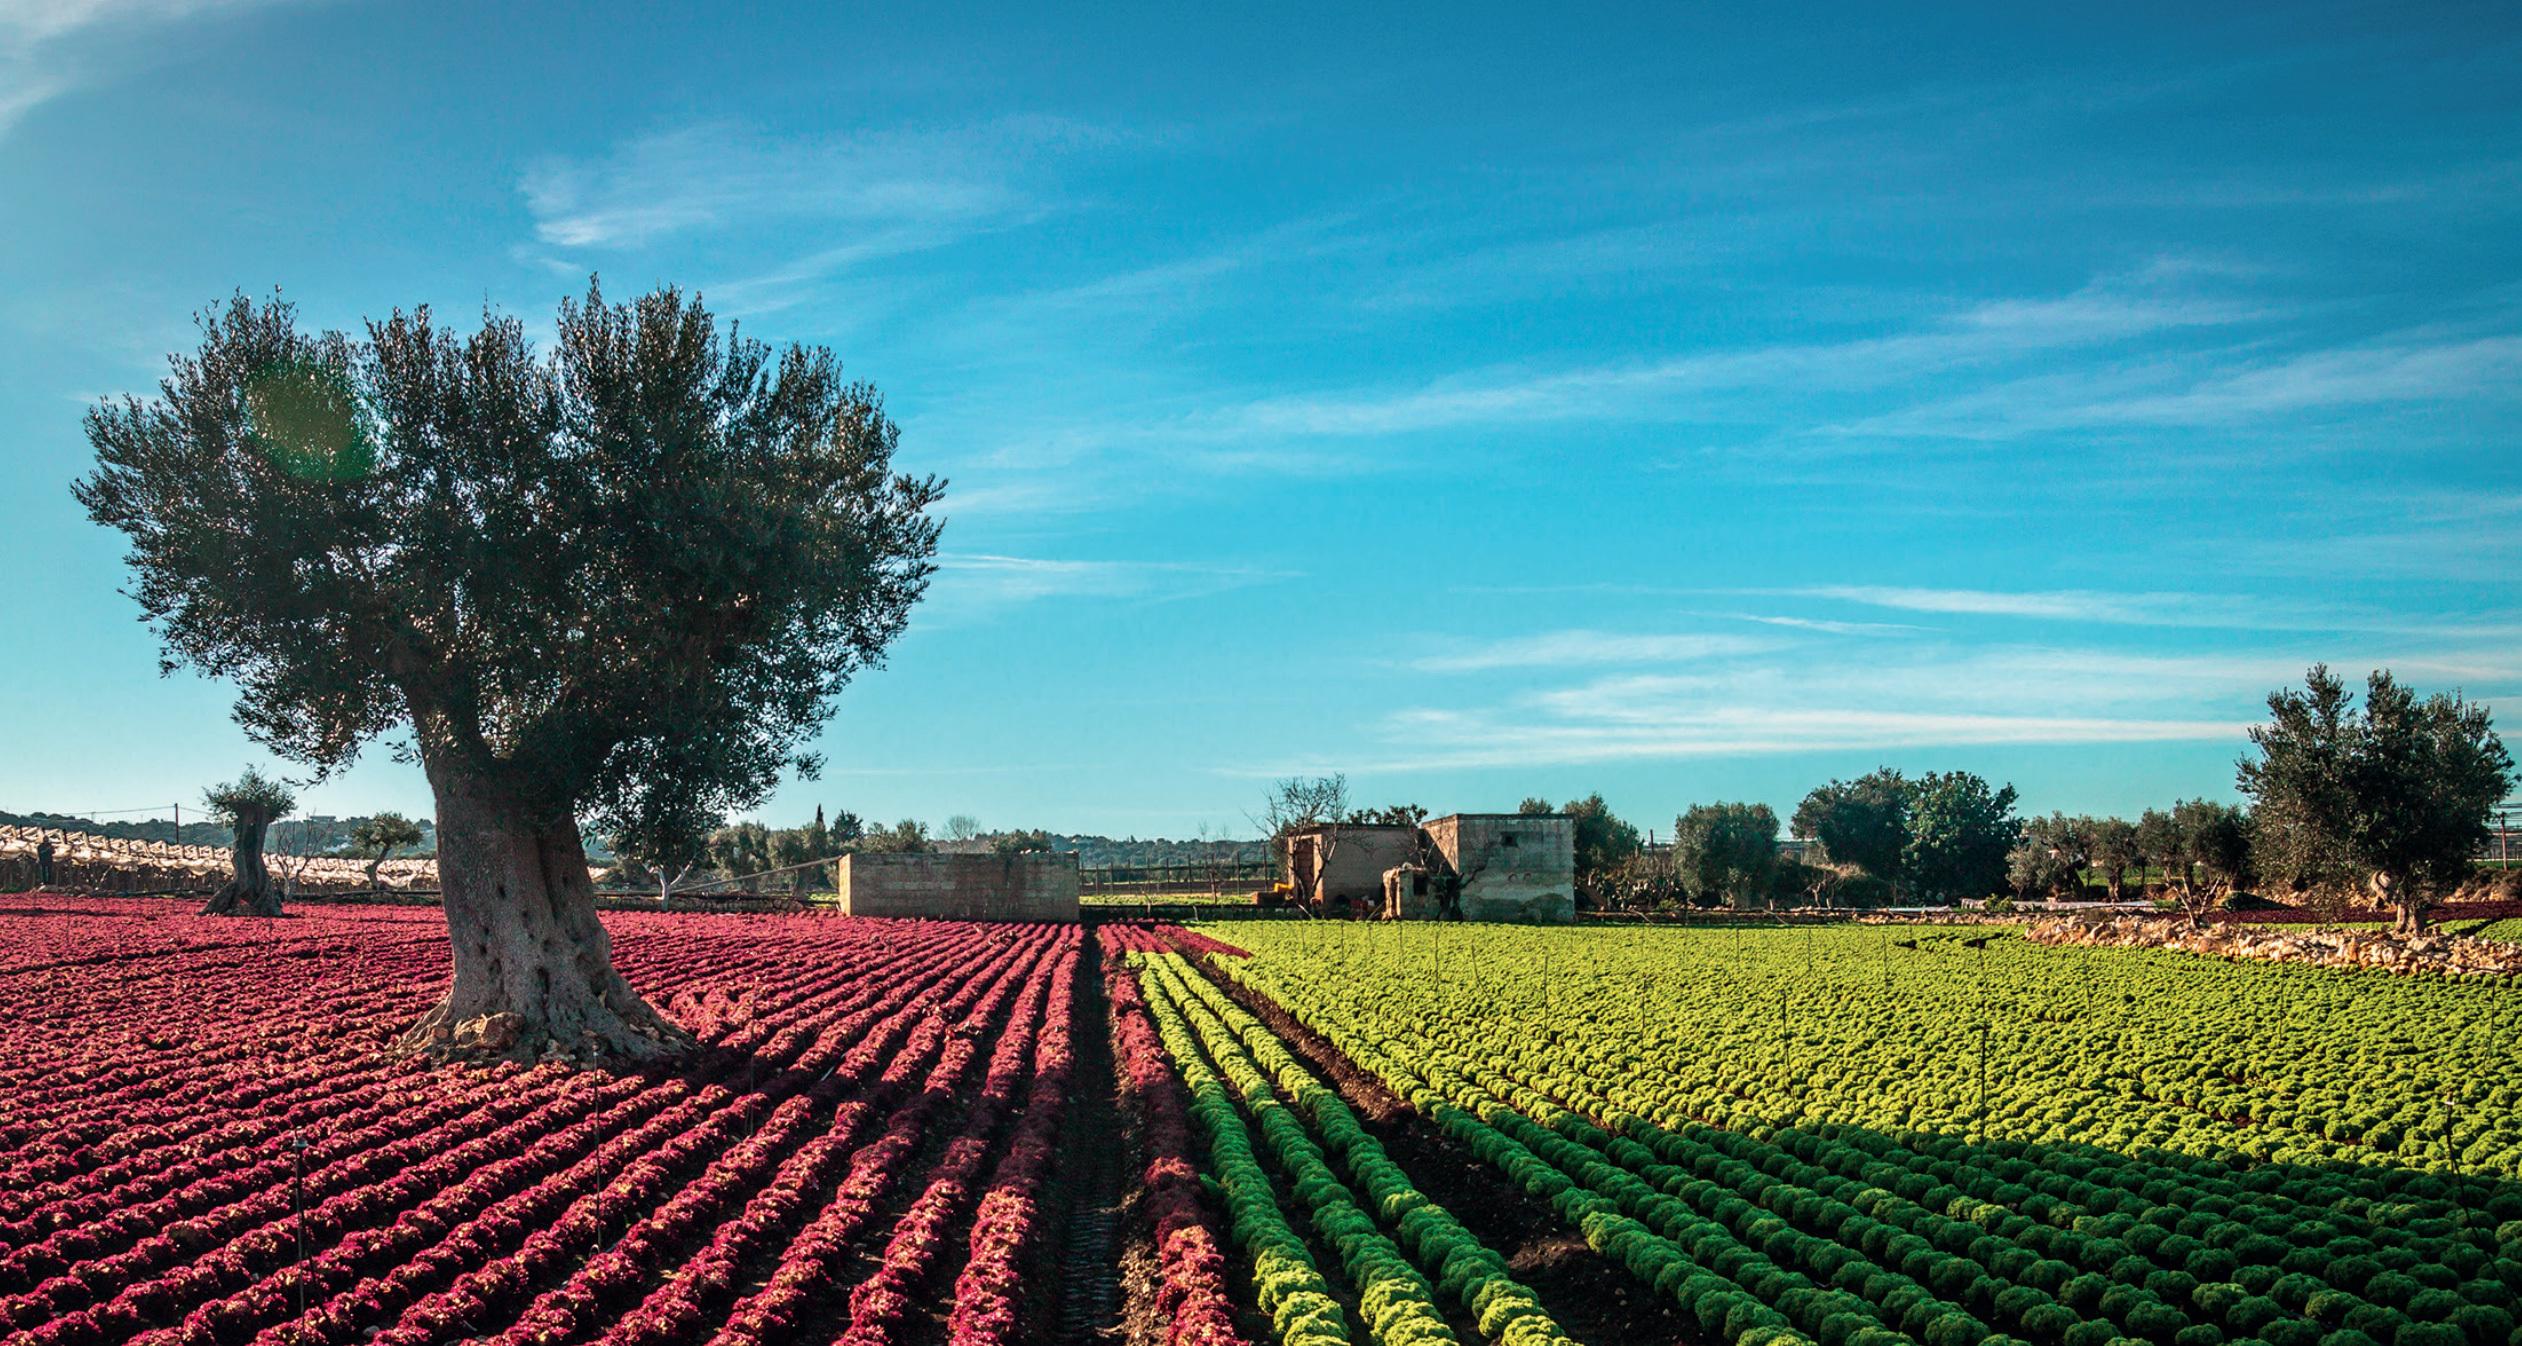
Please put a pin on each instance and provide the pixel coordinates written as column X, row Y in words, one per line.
column 1844, row 1135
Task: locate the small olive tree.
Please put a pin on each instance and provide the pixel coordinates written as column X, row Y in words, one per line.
column 383, row 834
column 248, row 804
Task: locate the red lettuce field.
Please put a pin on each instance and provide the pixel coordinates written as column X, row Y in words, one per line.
column 203, row 1136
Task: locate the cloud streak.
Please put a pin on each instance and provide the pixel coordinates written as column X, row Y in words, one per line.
column 1565, row 649
column 2069, row 605
column 1825, row 694
column 970, row 584
column 1980, row 335
column 50, row 47
column 915, row 183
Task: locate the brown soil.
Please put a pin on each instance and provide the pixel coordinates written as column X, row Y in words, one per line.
column 1078, row 1287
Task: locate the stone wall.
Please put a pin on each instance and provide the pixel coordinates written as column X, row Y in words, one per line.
column 1509, row 867
column 1034, row 886
column 2433, row 954
column 1359, row 855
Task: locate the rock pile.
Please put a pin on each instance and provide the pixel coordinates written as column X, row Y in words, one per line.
column 2440, row 955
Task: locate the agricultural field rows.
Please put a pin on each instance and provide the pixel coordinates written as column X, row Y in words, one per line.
column 1415, row 1271
column 2117, row 1049
column 208, row 1140
column 1769, row 1180
column 896, row 1132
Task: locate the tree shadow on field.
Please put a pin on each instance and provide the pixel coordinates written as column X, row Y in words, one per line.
column 2064, row 1244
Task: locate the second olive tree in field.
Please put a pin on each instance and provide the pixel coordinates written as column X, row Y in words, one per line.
column 381, row 836
column 2392, row 795
column 618, row 581
column 248, row 804
column 2051, row 857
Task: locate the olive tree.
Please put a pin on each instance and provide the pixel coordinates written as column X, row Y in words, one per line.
column 2392, row 795
column 2205, row 850
column 2051, row 856
column 1960, row 833
column 2114, row 852
column 247, row 805
column 1863, row 822
column 1727, row 851
column 383, row 834
column 619, row 578
column 666, row 838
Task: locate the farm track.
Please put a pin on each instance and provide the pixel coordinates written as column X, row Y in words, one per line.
column 1094, row 1203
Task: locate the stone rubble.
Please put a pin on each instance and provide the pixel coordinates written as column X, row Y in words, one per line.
column 2383, row 950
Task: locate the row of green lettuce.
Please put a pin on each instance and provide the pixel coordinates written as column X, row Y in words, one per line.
column 1400, row 1252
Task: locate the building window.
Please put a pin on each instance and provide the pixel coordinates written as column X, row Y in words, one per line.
column 1505, row 838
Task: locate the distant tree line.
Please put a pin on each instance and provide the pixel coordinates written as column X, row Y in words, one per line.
column 2385, row 801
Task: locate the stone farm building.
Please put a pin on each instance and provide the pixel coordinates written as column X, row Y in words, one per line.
column 1482, row 866
column 1031, row 886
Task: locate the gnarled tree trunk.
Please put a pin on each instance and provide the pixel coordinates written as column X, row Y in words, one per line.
column 534, row 975
column 248, row 891
column 2408, row 907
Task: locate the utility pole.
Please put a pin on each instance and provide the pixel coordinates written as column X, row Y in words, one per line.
column 1983, row 1081
column 297, row 1216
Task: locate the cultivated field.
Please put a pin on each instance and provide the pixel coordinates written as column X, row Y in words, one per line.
column 1780, row 1136
column 204, row 1139
column 938, row 1133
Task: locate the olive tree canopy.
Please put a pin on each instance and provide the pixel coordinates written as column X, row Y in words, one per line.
column 2393, row 794
column 620, row 579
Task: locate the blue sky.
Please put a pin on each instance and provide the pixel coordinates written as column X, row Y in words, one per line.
column 1681, row 402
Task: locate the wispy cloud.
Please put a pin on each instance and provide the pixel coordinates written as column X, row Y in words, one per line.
column 2220, row 389
column 912, row 182
column 2072, row 605
column 1521, row 269
column 974, row 583
column 2388, row 372
column 2230, row 611
column 1563, row 649
column 1984, row 334
column 1444, row 741
column 1828, row 626
column 49, row 47
column 1897, row 696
